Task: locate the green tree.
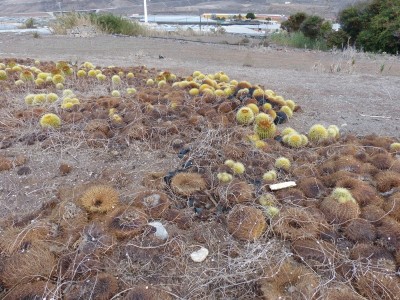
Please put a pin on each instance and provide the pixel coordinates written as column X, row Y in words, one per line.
column 374, row 26
column 293, row 23
column 250, row 15
column 311, row 27
column 352, row 20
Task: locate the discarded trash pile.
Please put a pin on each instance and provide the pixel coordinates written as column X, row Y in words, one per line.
column 245, row 208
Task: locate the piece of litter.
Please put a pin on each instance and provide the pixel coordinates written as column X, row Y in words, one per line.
column 161, row 232
column 199, row 255
column 282, row 185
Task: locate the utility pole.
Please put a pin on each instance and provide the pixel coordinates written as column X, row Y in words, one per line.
column 145, row 11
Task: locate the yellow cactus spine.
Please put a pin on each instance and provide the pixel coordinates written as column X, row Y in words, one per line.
column 245, row 116
column 50, row 121
column 264, row 126
column 317, row 133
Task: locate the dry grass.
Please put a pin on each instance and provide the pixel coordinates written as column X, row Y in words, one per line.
column 66, row 22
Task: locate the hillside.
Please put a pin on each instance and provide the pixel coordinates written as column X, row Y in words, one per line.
column 324, row 7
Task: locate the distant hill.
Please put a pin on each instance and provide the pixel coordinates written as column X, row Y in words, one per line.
column 326, row 8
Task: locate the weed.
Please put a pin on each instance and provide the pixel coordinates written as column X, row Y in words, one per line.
column 382, row 68
column 298, row 40
column 30, row 23
column 245, row 40
column 68, row 21
column 107, row 23
column 117, row 25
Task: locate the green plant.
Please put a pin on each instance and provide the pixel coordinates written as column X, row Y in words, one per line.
column 337, row 39
column 30, row 23
column 117, row 25
column 250, row 16
column 351, row 19
column 342, row 195
column 382, row 68
column 68, row 21
column 298, row 40
column 50, row 120
column 3, row 75
column 295, row 140
column 244, row 116
column 294, row 22
column 311, row 27
column 282, row 163
column 270, row 176
column 340, row 206
column 105, row 22
column 373, row 26
column 36, row 35
column 326, row 29
column 317, row 133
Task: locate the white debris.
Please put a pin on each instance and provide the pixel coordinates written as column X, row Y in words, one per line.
column 161, row 232
column 282, row 185
column 199, row 255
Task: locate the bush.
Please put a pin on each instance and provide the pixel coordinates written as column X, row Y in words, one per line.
column 351, row 21
column 298, row 40
column 64, row 22
column 337, row 39
column 326, row 29
column 117, row 25
column 293, row 23
column 108, row 23
column 311, row 27
column 30, row 23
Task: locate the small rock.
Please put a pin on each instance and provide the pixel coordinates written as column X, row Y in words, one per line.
column 161, row 232
column 30, row 140
column 161, row 154
column 24, row 171
column 5, row 164
column 65, row 169
column 5, row 144
column 199, row 255
column 177, row 144
column 19, row 160
column 114, row 153
column 183, row 152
